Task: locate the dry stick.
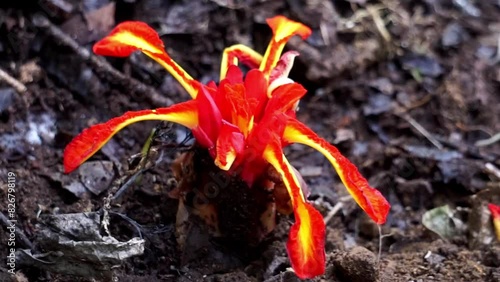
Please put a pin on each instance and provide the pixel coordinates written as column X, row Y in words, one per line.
column 104, row 69
column 16, row 84
column 421, row 129
column 379, row 23
column 489, row 141
column 20, row 234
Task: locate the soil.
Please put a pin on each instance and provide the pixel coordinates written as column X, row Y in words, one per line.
column 407, row 90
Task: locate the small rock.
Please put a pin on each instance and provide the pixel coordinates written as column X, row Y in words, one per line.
column 343, row 134
column 426, row 66
column 486, row 52
column 77, row 188
column 433, row 259
column 357, row 265
column 453, row 35
column 383, row 84
column 6, row 98
column 467, row 7
column 277, row 266
column 491, row 256
column 311, row 171
column 96, row 176
column 377, row 104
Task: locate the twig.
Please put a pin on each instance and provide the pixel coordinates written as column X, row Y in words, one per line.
column 16, row 84
column 491, row 168
column 338, row 206
column 333, row 211
column 379, row 23
column 20, row 234
column 489, row 141
column 421, row 129
column 104, row 69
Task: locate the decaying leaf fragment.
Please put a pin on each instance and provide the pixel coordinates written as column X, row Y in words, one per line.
column 72, row 244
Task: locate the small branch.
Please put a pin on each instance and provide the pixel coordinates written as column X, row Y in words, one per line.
column 421, row 130
column 20, row 234
column 104, row 69
column 379, row 23
column 16, row 84
column 490, row 141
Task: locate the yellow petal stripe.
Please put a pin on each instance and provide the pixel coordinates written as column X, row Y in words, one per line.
column 93, row 138
column 283, row 30
column 131, row 36
column 305, row 245
column 239, row 53
column 367, row 197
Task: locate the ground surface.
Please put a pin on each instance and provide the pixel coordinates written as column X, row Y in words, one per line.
column 408, row 90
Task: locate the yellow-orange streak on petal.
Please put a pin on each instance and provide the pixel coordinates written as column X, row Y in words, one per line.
column 139, row 36
column 280, row 163
column 176, row 71
column 306, row 240
column 132, row 39
column 229, row 144
column 87, row 143
column 283, row 29
column 239, row 53
column 367, row 197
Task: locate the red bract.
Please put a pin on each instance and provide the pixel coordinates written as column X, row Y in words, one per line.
column 244, row 122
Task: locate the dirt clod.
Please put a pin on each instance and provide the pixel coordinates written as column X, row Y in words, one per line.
column 356, row 265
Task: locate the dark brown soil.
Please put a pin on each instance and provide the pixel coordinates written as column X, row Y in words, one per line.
column 407, row 90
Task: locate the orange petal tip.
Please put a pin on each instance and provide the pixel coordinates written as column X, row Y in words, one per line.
column 129, row 37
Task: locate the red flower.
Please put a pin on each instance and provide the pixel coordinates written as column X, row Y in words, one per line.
column 244, row 122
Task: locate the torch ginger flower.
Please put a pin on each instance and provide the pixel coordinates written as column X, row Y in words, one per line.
column 244, row 122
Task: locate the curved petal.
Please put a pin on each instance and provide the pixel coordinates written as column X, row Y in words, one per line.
column 283, row 67
column 367, row 197
column 131, row 36
column 210, row 119
column 230, row 143
column 256, row 93
column 283, row 29
column 285, row 97
column 306, row 240
column 239, row 53
column 128, row 37
column 93, row 138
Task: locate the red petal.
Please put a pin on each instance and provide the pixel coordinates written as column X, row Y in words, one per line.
column 210, row 118
column 285, row 97
column 256, row 93
column 128, row 37
column 284, row 66
column 241, row 53
column 306, row 241
column 367, row 197
column 307, row 259
column 283, row 30
column 230, row 143
column 495, row 210
column 234, row 75
column 93, row 138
